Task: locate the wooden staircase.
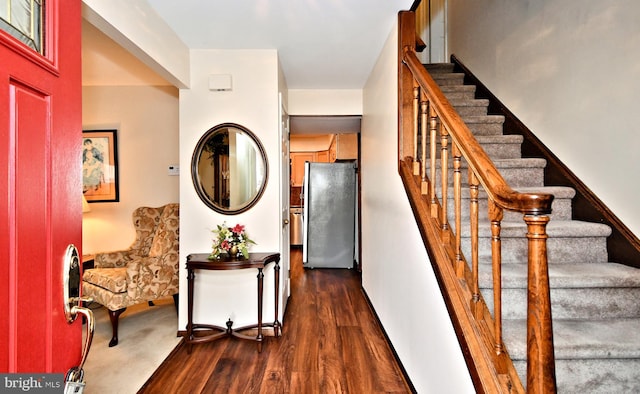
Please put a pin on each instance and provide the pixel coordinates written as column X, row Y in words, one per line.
column 537, row 297
column 596, row 316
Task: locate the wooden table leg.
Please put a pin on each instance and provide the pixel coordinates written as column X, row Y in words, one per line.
column 260, row 285
column 276, row 323
column 189, row 334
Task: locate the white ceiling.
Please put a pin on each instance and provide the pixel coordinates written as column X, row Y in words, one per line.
column 322, row 44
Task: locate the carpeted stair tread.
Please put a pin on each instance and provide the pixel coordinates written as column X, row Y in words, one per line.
column 486, row 119
column 569, row 242
column 578, row 290
column 469, row 103
column 470, row 107
column 500, row 139
column 520, row 163
column 527, row 172
column 485, row 124
column 561, row 206
column 504, row 163
column 439, row 67
column 555, row 229
column 577, row 229
column 559, row 192
column 581, row 339
column 566, row 276
column 499, row 146
column 462, row 92
column 444, row 79
column 458, row 88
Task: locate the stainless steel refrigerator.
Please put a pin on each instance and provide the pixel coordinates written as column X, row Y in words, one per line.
column 329, row 215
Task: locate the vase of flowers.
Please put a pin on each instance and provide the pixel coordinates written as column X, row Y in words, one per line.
column 232, row 241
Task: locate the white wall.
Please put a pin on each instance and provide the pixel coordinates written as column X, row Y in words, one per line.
column 253, row 103
column 569, row 70
column 397, row 275
column 134, row 25
column 325, row 102
column 147, row 144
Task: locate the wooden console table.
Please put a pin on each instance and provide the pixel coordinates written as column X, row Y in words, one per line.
column 201, row 261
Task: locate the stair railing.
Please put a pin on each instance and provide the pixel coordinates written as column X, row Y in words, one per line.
column 425, row 113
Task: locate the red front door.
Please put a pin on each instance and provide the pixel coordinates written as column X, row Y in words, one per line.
column 40, row 193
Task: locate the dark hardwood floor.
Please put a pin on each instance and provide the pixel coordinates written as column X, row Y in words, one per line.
column 331, row 343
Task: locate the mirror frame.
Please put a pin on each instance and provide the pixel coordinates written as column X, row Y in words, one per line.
column 195, row 159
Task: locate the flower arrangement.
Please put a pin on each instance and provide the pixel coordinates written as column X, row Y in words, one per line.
column 230, row 240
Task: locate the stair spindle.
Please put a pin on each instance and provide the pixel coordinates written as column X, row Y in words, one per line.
column 473, row 213
column 457, row 198
column 424, row 110
column 495, row 216
column 433, row 125
column 416, row 165
column 444, row 160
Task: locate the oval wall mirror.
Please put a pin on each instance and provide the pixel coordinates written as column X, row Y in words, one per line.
column 229, row 168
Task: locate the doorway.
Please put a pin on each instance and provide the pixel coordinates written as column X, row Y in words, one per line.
column 324, row 139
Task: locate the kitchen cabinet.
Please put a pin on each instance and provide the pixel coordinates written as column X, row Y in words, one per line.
column 297, row 166
column 343, row 147
column 346, row 146
column 333, row 149
column 322, row 156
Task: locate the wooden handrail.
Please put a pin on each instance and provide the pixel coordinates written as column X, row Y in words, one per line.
column 493, row 183
column 421, row 102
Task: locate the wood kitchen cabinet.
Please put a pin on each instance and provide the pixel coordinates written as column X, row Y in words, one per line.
column 343, row 147
column 322, row 156
column 297, row 166
column 346, row 146
column 333, row 149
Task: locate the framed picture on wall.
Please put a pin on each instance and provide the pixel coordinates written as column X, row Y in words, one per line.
column 100, row 165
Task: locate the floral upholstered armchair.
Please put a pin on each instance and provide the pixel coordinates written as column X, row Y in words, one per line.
column 146, row 271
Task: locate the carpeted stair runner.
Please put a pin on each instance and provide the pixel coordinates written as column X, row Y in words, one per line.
column 595, row 308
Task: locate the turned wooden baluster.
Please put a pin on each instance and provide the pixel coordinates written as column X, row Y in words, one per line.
column 495, row 216
column 416, row 94
column 444, row 160
column 473, row 216
column 424, row 112
column 541, row 376
column 457, row 200
column 433, row 126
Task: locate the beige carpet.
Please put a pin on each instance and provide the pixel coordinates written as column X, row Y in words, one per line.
column 146, row 337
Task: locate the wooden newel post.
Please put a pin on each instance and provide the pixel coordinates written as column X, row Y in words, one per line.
column 406, row 118
column 541, row 371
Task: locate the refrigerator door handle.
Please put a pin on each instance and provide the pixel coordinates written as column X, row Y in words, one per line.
column 305, row 213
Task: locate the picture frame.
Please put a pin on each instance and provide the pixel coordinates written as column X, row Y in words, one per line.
column 100, row 166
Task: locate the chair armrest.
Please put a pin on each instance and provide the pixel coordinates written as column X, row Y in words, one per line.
column 119, row 258
column 149, row 278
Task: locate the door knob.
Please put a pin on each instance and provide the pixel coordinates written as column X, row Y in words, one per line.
column 72, row 300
